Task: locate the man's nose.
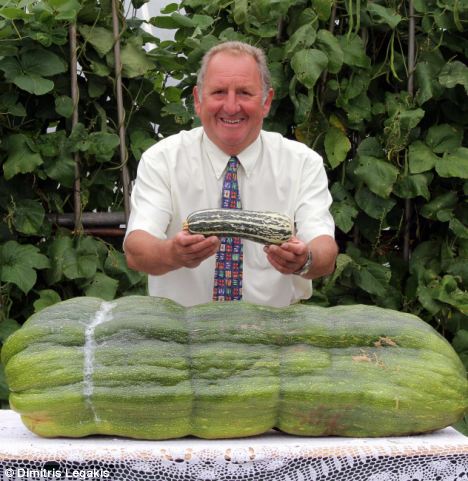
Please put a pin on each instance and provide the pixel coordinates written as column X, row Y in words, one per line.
column 231, row 105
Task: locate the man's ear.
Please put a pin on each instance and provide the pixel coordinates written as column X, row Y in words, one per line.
column 196, row 100
column 267, row 103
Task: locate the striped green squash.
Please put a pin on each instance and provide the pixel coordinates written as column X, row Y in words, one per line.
column 262, row 227
column 149, row 368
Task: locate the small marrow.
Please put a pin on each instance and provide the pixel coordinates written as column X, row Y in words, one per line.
column 263, row 227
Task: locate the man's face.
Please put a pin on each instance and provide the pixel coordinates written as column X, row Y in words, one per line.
column 231, row 107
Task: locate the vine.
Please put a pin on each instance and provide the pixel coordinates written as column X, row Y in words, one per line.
column 395, row 147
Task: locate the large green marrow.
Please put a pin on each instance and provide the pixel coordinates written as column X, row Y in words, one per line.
column 262, row 227
column 147, row 367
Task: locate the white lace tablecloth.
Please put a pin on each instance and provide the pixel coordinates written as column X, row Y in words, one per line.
column 439, row 456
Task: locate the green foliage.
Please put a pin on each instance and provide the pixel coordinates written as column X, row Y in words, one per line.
column 340, row 72
column 41, row 264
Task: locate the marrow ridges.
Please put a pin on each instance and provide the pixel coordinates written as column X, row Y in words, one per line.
column 263, row 227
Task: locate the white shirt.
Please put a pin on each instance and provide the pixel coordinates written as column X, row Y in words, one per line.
column 185, row 172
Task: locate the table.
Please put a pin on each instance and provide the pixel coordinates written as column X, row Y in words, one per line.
column 439, row 456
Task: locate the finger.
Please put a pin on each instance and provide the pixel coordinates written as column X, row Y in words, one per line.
column 298, row 248
column 184, row 238
column 282, row 254
column 280, row 264
column 201, row 254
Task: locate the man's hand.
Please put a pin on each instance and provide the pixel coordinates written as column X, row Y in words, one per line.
column 189, row 250
column 291, row 256
column 146, row 253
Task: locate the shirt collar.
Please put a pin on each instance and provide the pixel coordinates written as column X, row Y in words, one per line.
column 219, row 159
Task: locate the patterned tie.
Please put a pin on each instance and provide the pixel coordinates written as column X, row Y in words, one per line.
column 228, row 268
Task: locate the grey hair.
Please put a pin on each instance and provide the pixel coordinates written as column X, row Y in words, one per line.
column 238, row 48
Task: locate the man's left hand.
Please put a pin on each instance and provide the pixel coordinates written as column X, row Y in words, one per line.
column 292, row 255
column 288, row 257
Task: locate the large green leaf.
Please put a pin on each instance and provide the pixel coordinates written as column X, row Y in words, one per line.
column 64, row 106
column 454, row 73
column 13, row 13
column 47, row 297
column 377, row 174
column 454, row 164
column 458, row 228
column 383, row 15
column 135, row 62
column 65, row 9
column 102, row 39
column 441, row 207
column 428, row 85
column 9, row 105
column 424, row 258
column 354, row 53
column 373, row 278
column 34, row 84
column 28, row 216
column 22, row 156
column 308, row 64
column 240, row 11
column 103, row 145
column 301, row 39
column 59, row 163
column 41, row 62
column 18, row 264
column 444, row 138
column 358, row 110
column 427, row 300
column 421, row 157
column 329, row 44
column 116, row 265
column 337, row 146
column 81, row 261
column 448, row 291
column 373, row 205
column 323, row 8
column 344, row 213
column 102, row 286
column 203, row 22
column 57, row 251
column 413, row 185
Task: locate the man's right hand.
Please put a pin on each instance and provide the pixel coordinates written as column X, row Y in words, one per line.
column 146, row 253
column 189, row 250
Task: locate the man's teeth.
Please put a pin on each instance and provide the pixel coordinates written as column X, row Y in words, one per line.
column 231, row 121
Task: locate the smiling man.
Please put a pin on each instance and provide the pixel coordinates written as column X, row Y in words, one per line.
column 230, row 159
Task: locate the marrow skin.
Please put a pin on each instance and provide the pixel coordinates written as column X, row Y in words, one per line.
column 149, row 368
column 263, row 227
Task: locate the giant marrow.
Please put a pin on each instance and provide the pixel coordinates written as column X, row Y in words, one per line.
column 146, row 367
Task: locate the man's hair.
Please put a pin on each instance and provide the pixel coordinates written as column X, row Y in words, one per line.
column 237, row 48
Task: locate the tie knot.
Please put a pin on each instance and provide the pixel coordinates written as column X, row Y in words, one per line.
column 233, row 164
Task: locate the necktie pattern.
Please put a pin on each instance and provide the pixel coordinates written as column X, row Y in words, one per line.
column 228, row 268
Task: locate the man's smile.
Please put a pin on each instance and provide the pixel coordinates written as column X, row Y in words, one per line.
column 231, row 121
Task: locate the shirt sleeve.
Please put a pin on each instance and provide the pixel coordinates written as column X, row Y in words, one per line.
column 151, row 202
column 312, row 216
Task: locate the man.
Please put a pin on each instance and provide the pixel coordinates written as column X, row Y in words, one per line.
column 185, row 172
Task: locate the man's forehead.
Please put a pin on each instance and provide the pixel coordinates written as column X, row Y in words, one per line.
column 220, row 64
